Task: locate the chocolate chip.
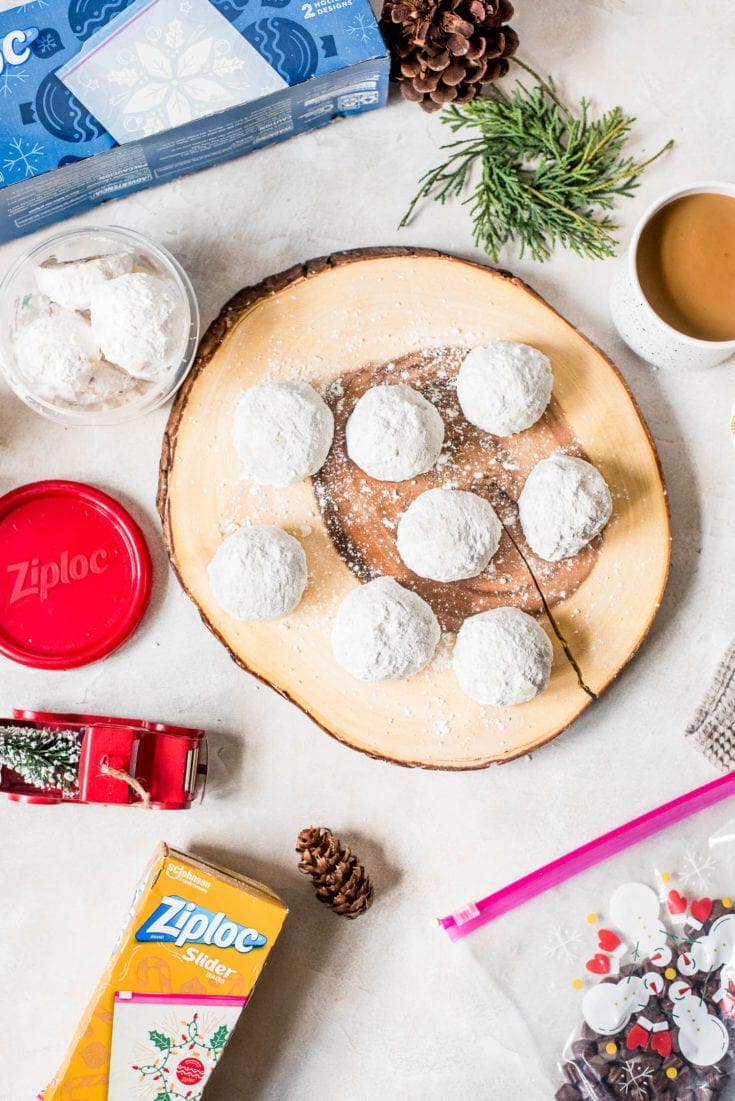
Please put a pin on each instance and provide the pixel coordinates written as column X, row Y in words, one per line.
column 614, row 1075
column 571, row 1073
column 648, row 1061
column 567, row 1093
column 598, row 1065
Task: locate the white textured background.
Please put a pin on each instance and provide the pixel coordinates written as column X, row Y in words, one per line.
column 380, row 1008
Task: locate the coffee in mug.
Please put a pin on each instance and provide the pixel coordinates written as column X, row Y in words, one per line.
column 686, row 265
column 672, row 298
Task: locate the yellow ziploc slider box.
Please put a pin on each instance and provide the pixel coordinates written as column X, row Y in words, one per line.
column 194, row 943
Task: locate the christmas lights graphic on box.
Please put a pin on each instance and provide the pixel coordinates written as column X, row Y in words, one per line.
column 167, row 1044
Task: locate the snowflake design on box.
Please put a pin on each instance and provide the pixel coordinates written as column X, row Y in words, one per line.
column 696, row 870
column 20, row 158
column 11, row 80
column 173, row 84
column 363, row 29
column 46, row 44
column 167, row 68
column 562, row 944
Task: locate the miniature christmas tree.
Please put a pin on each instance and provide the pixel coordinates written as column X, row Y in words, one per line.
column 44, row 758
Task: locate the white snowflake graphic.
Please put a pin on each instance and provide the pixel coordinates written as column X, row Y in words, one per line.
column 635, row 1079
column 178, row 84
column 696, row 870
column 562, row 944
column 38, row 4
column 10, row 81
column 164, row 68
column 20, row 156
column 45, row 43
column 362, row 28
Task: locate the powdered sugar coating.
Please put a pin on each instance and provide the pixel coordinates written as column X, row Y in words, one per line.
column 57, row 354
column 282, row 432
column 384, row 632
column 564, row 504
column 109, row 387
column 448, row 534
column 258, row 573
column 504, row 387
column 70, row 284
column 394, row 433
column 502, row 657
column 138, row 320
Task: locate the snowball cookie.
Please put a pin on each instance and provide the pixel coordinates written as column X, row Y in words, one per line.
column 384, row 632
column 563, row 505
column 502, row 657
column 109, row 386
column 57, row 355
column 504, row 387
column 448, row 534
column 70, row 283
column 258, row 573
column 394, row 433
column 138, row 320
column 282, row 432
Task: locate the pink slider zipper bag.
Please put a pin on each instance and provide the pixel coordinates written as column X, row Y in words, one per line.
column 610, row 972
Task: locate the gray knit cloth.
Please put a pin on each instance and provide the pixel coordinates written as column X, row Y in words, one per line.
column 712, row 729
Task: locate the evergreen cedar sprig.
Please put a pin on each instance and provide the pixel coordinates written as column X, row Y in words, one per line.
column 44, row 758
column 546, row 176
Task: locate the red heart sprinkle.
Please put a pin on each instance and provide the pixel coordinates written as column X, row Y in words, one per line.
column 661, row 1043
column 607, row 940
column 677, row 903
column 637, row 1037
column 701, row 909
column 599, row 964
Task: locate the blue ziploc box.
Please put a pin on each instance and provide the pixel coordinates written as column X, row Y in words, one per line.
column 100, row 98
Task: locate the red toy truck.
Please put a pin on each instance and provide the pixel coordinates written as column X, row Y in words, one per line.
column 167, row 763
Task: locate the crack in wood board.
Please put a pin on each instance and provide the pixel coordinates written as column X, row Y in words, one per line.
column 550, row 616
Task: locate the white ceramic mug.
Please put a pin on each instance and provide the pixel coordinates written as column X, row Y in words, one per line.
column 638, row 323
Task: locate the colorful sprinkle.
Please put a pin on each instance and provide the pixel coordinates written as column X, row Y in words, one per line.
column 591, row 919
column 611, row 1048
column 577, row 983
column 727, row 902
column 670, row 973
column 665, row 877
column 672, row 1072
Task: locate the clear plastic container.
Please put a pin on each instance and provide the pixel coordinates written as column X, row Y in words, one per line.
column 19, row 299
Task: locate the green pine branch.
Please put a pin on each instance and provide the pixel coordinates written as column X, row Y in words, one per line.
column 44, row 758
column 534, row 172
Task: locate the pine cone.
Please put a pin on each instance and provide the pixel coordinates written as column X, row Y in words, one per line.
column 443, row 51
column 341, row 882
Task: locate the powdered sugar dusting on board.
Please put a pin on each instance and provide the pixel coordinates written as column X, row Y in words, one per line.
column 361, row 514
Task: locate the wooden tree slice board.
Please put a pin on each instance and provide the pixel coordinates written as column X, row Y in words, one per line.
column 344, row 323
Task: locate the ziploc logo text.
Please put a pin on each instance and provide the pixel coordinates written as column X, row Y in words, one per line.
column 179, row 922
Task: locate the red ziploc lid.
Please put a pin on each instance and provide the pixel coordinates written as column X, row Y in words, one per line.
column 75, row 574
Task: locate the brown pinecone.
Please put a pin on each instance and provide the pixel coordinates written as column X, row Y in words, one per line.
column 443, row 51
column 341, row 882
